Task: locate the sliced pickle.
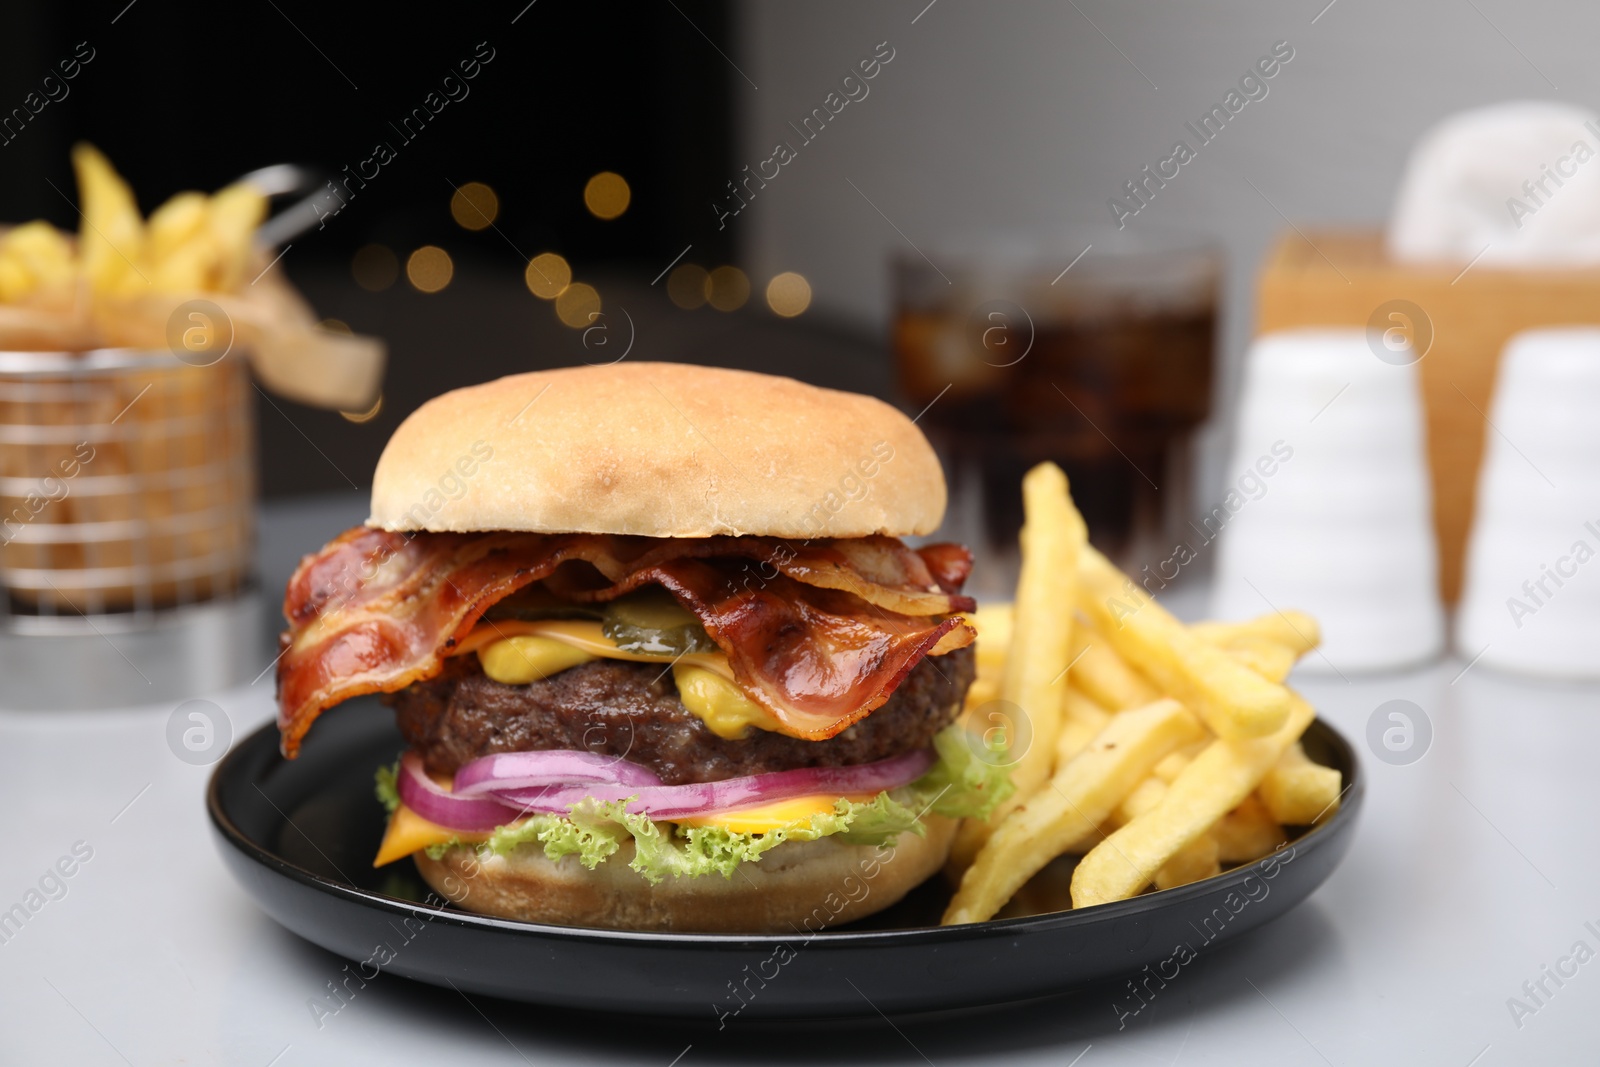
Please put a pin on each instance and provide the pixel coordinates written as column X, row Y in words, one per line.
column 651, row 620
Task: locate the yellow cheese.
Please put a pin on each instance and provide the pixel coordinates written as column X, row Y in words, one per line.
column 582, row 636
column 409, row 832
column 774, row 816
column 528, row 658
column 719, row 703
column 516, row 653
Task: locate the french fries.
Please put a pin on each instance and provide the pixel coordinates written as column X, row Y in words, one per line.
column 1293, row 630
column 1299, row 792
column 1081, row 719
column 1077, row 799
column 1247, row 832
column 1169, row 769
column 994, row 625
column 1267, row 658
column 1053, row 538
column 1194, row 861
column 123, row 281
column 119, row 283
column 1146, row 795
column 1235, row 702
column 1215, row 783
column 1104, row 677
column 34, row 259
column 1175, row 748
column 191, row 244
column 112, row 241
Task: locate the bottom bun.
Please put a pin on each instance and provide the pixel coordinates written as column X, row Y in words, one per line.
column 800, row 885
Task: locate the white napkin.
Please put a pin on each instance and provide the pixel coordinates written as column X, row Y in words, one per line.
column 1514, row 184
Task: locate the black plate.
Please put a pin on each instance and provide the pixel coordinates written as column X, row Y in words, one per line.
column 300, row 837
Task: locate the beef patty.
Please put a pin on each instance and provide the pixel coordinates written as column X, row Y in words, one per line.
column 632, row 710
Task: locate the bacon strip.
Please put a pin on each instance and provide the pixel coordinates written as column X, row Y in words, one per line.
column 811, row 656
column 820, row 633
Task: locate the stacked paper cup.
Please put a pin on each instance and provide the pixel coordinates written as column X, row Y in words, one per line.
column 1341, row 526
column 1532, row 596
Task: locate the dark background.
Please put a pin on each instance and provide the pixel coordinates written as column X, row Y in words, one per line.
column 190, row 96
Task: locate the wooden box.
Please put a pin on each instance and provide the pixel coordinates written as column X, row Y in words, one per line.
column 1342, row 277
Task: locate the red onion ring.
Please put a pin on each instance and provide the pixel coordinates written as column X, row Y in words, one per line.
column 438, row 805
column 525, row 770
column 703, row 798
column 486, row 809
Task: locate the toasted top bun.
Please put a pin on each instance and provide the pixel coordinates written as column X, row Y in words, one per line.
column 659, row 449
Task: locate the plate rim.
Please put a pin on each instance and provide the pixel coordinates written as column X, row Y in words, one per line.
column 228, row 831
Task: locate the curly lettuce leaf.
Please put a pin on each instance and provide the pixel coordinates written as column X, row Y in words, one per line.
column 967, row 781
column 970, row 780
column 386, row 785
column 593, row 832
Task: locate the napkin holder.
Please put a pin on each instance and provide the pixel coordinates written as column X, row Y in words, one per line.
column 1345, row 278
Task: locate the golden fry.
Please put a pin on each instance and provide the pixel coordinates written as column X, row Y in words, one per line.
column 993, row 623
column 1214, row 784
column 1293, row 629
column 1169, row 769
column 982, row 691
column 1267, row 658
column 1299, row 792
column 1235, row 702
column 1053, row 536
column 1247, row 833
column 234, row 214
column 33, row 257
column 1146, row 795
column 174, row 224
column 1081, row 720
column 1196, row 860
column 1104, row 676
column 1078, row 798
column 111, row 239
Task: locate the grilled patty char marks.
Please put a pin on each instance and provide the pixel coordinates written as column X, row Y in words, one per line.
column 632, row 711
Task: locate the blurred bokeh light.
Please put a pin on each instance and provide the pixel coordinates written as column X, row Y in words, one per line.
column 430, row 269
column 788, row 294
column 546, row 275
column 474, row 206
column 578, row 304
column 607, row 195
column 727, row 289
column 686, row 286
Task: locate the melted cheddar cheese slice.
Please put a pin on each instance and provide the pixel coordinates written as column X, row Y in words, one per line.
column 409, row 832
column 517, row 653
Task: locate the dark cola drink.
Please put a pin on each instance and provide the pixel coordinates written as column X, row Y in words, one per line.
column 1107, row 372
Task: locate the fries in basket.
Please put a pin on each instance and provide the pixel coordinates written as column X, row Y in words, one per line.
column 123, row 279
column 1157, row 752
column 126, row 477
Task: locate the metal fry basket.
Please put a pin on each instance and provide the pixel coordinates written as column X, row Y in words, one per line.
column 127, row 495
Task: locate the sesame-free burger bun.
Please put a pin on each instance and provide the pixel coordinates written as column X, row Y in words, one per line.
column 824, row 881
column 662, row 450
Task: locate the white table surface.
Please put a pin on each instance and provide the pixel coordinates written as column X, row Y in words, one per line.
column 1472, row 869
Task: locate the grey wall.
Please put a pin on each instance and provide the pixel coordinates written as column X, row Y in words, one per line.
column 1022, row 114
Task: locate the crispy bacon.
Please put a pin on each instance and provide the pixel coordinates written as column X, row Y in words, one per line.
column 820, row 632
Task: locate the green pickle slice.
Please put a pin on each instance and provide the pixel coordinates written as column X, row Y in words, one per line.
column 651, row 620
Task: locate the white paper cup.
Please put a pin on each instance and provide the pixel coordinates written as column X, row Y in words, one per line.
column 1343, row 530
column 1531, row 601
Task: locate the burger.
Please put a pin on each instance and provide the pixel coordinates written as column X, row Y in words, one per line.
column 658, row 653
